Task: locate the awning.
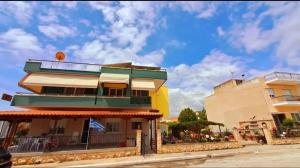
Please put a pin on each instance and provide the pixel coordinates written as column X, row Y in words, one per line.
column 140, row 84
column 59, row 80
column 29, row 114
column 114, row 78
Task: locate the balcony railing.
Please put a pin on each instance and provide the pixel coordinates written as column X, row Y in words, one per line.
column 68, row 65
column 62, row 142
column 58, row 100
column 282, row 75
column 140, row 100
column 286, row 98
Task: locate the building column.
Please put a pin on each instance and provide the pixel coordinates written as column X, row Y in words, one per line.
column 138, row 142
column 237, row 135
column 268, row 135
column 10, row 135
column 158, row 141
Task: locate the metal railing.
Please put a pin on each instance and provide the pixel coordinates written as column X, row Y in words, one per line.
column 286, row 133
column 47, row 64
column 189, row 137
column 55, row 95
column 286, row 98
column 282, row 75
column 68, row 65
column 140, row 100
column 61, row 142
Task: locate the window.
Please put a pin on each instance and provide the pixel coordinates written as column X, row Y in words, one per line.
column 144, row 93
column 112, row 127
column 90, row 91
column 271, row 92
column 58, row 126
column 287, row 92
column 79, row 91
column 114, row 92
column 69, row 91
column 296, row 117
column 52, row 90
column 136, row 125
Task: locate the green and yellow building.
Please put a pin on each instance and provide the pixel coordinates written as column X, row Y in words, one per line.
column 63, row 96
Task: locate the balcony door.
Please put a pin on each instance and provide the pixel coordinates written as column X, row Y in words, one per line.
column 287, row 94
column 278, row 118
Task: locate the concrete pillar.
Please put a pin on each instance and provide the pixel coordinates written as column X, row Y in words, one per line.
column 138, row 142
column 237, row 135
column 158, row 141
column 11, row 133
column 268, row 135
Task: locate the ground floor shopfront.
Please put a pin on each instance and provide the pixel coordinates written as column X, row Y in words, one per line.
column 69, row 130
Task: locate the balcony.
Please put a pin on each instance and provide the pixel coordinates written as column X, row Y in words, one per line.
column 281, row 101
column 282, row 78
column 56, row 66
column 78, row 101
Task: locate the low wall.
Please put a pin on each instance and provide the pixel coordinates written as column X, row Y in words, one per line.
column 194, row 147
column 285, row 141
column 62, row 156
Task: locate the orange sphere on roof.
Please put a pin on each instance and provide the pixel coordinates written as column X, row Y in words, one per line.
column 60, row 56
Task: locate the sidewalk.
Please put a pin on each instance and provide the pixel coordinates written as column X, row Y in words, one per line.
column 151, row 158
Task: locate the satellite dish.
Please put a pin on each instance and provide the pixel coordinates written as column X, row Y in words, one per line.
column 60, row 56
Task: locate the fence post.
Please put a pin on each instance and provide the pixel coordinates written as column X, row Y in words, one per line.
column 158, row 141
column 237, row 135
column 138, row 142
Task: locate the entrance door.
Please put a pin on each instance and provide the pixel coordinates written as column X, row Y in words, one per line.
column 85, row 131
column 278, row 118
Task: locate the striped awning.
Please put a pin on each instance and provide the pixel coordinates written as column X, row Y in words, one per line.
column 29, row 114
column 114, row 78
column 61, row 80
column 142, row 84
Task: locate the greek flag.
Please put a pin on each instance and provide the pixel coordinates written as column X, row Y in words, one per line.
column 95, row 124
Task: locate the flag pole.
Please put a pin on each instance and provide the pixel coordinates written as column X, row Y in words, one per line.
column 88, row 136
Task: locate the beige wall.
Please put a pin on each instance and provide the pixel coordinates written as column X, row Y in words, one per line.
column 233, row 103
column 74, row 127
column 39, row 126
column 239, row 103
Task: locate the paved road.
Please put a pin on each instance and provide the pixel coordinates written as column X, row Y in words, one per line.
column 251, row 156
column 275, row 156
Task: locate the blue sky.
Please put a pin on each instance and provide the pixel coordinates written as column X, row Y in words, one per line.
column 199, row 43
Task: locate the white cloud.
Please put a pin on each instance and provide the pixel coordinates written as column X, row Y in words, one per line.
column 54, row 31
column 129, row 24
column 201, row 9
column 283, row 33
column 17, row 45
column 50, row 17
column 220, row 31
column 190, row 84
column 21, row 11
column 176, row 44
column 68, row 4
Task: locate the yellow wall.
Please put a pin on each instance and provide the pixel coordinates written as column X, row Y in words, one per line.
column 160, row 100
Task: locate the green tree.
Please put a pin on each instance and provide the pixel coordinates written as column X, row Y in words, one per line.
column 202, row 115
column 288, row 123
column 187, row 115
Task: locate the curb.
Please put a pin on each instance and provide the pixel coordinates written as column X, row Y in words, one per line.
column 155, row 160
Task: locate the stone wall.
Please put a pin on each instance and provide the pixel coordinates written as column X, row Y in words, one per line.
column 194, row 147
column 62, row 156
column 285, row 141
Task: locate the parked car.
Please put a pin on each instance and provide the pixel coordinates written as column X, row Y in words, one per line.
column 5, row 158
